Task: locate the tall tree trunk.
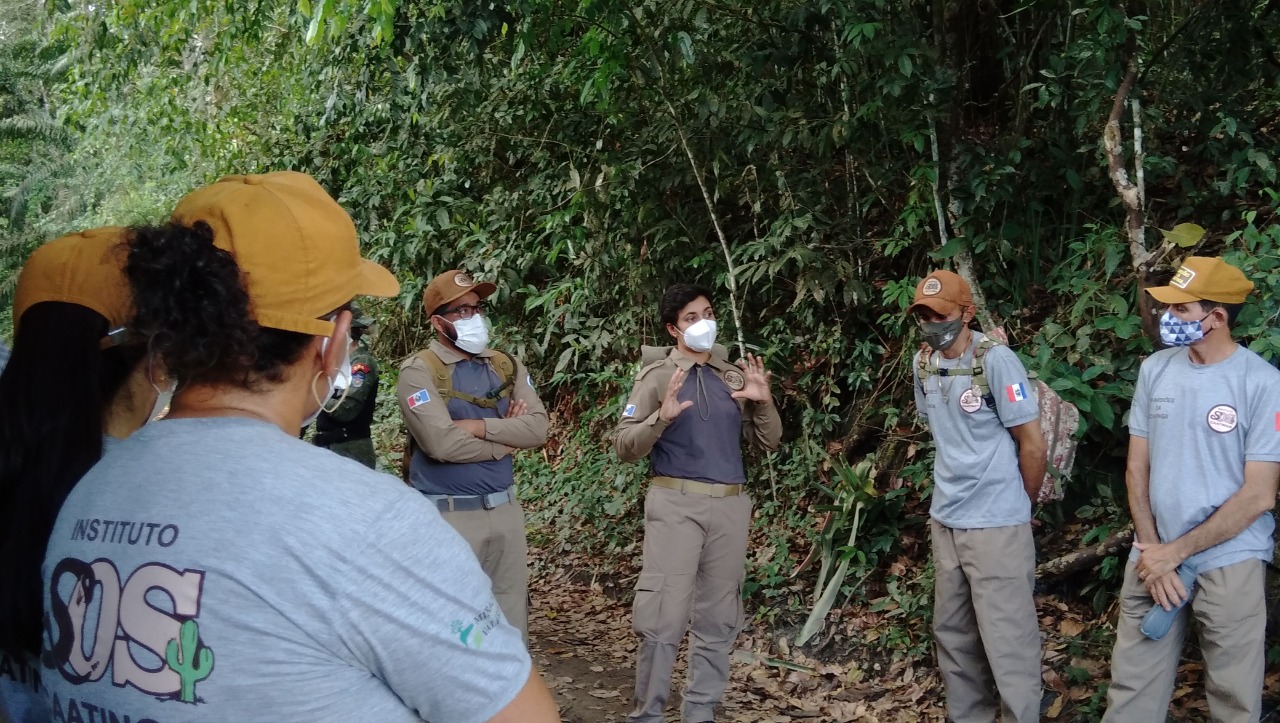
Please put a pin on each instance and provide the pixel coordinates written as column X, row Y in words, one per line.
column 1132, row 195
column 942, row 140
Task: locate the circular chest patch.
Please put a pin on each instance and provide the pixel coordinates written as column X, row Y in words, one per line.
column 1222, row 418
column 970, row 401
column 931, row 287
column 734, row 380
column 463, row 280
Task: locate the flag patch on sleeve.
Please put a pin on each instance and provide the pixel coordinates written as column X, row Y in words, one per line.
column 630, row 411
column 1016, row 392
column 1278, row 421
column 418, row 398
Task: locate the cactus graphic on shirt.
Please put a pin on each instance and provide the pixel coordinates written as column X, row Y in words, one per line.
column 190, row 665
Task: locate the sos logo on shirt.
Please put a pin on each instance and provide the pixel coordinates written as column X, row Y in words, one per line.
column 143, row 628
column 1222, row 418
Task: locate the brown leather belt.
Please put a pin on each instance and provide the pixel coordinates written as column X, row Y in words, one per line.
column 694, row 487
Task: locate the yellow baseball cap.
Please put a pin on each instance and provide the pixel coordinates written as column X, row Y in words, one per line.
column 85, row 268
column 942, row 291
column 295, row 245
column 1201, row 278
column 450, row 285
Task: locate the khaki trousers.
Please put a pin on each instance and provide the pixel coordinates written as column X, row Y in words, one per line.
column 985, row 624
column 1230, row 607
column 695, row 552
column 497, row 537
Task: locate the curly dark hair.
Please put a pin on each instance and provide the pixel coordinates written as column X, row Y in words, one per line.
column 678, row 296
column 192, row 306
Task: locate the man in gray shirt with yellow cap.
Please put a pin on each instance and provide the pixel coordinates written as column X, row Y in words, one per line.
column 1204, row 460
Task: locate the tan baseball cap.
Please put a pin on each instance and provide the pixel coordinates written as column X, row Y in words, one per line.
column 85, row 268
column 1203, row 278
column 942, row 291
column 450, row 285
column 295, row 245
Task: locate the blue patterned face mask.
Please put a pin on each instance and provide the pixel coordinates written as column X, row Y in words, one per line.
column 1176, row 332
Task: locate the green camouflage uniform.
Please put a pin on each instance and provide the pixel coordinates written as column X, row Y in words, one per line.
column 354, row 413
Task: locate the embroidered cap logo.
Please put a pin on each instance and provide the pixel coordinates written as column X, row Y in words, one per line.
column 1183, row 277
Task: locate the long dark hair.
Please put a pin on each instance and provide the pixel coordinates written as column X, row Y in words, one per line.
column 54, row 395
column 190, row 302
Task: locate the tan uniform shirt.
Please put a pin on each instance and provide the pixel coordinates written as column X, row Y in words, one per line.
column 439, row 438
column 640, row 426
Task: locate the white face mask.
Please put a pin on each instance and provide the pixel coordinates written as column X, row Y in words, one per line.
column 344, row 373
column 343, row 379
column 471, row 335
column 700, row 336
column 164, row 394
column 164, row 397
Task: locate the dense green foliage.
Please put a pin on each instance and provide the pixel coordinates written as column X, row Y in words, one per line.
column 562, row 149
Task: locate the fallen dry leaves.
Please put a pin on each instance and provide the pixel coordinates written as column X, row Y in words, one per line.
column 581, row 639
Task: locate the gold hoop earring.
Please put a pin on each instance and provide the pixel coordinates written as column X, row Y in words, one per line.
column 345, row 391
column 315, row 396
column 327, row 410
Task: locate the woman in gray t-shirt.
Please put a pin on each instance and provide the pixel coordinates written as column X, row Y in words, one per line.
column 215, row 567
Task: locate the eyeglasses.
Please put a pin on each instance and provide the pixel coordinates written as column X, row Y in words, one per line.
column 466, row 311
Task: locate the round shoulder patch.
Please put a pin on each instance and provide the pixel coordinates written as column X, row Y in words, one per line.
column 463, row 280
column 734, row 380
column 931, row 287
column 970, row 401
column 1222, row 418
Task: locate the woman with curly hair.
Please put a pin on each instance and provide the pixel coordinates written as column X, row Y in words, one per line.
column 218, row 568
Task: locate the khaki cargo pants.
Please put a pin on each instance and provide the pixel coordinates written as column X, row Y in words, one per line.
column 498, row 539
column 985, row 624
column 695, row 552
column 1230, row 606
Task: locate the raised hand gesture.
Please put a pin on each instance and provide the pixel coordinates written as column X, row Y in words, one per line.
column 756, row 388
column 671, row 406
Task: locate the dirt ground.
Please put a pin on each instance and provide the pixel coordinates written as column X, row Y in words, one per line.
column 581, row 640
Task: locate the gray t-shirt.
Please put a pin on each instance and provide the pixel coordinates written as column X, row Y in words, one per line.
column 976, row 479
column 221, row 570
column 22, row 698
column 1202, row 423
column 22, row 695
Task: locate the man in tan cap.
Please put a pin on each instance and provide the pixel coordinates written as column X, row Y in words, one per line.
column 468, row 407
column 989, row 462
column 1204, row 460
